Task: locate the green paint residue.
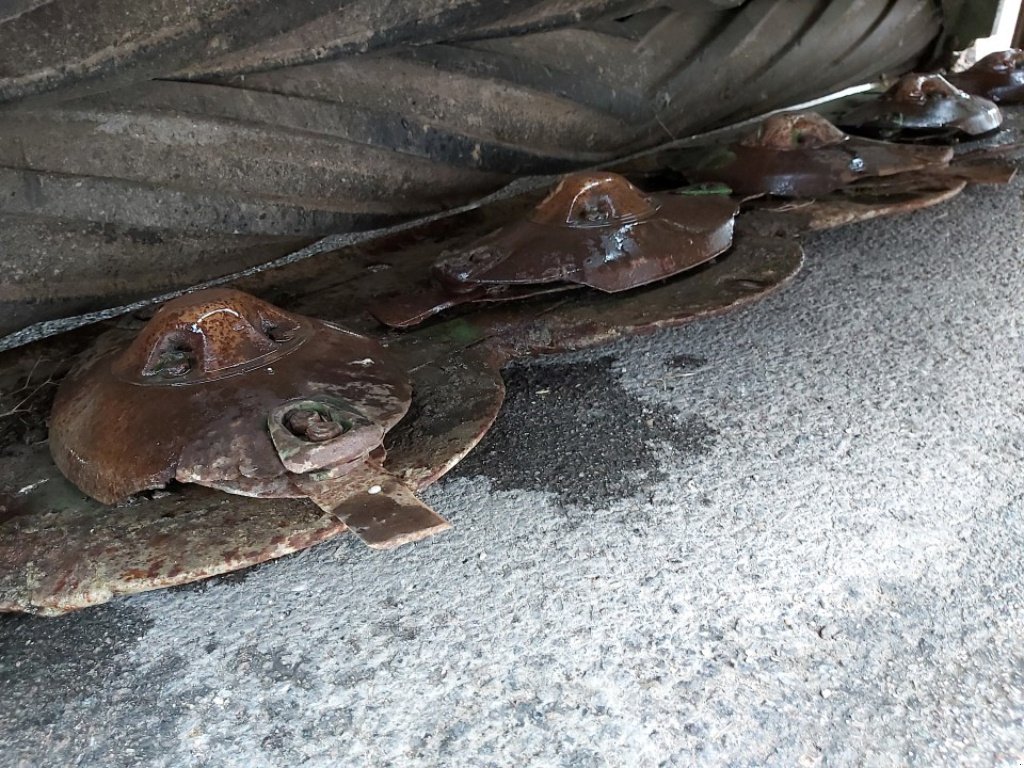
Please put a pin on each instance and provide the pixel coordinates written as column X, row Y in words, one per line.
column 711, row 188
column 462, row 332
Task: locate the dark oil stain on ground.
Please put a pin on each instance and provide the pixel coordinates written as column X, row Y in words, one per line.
column 66, row 676
column 71, row 650
column 572, row 429
column 687, row 363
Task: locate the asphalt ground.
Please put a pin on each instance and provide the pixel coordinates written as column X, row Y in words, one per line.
column 790, row 536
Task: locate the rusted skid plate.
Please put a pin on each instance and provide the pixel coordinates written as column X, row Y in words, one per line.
column 752, row 269
column 872, row 198
column 189, row 399
column 923, row 106
column 60, row 550
column 594, row 229
column 998, row 76
column 802, row 155
column 223, row 390
column 863, row 203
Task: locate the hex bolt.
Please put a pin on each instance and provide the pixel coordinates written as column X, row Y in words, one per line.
column 312, row 425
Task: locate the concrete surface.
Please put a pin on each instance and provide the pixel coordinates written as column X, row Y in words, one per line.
column 793, row 536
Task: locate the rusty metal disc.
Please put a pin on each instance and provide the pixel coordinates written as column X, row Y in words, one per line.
column 755, row 267
column 61, row 550
column 189, row 398
column 876, row 197
column 804, row 155
column 998, row 77
column 923, row 107
column 871, row 199
column 596, row 230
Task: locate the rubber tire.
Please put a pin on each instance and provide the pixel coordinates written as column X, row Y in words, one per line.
column 115, row 186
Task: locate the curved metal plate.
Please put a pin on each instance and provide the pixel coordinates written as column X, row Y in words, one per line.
column 854, row 205
column 754, row 268
column 60, row 550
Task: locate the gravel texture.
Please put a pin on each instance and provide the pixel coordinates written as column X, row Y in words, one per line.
column 792, row 536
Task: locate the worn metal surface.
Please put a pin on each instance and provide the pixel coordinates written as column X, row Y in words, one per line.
column 456, row 398
column 998, row 77
column 597, row 230
column 804, row 155
column 189, row 398
column 292, row 132
column 430, row 298
column 751, row 270
column 383, row 512
column 594, row 229
column 874, row 198
column 60, row 550
column 865, row 201
column 453, row 364
column 923, row 107
column 92, row 552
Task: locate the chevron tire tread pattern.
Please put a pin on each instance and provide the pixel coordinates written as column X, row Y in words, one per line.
column 190, row 157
